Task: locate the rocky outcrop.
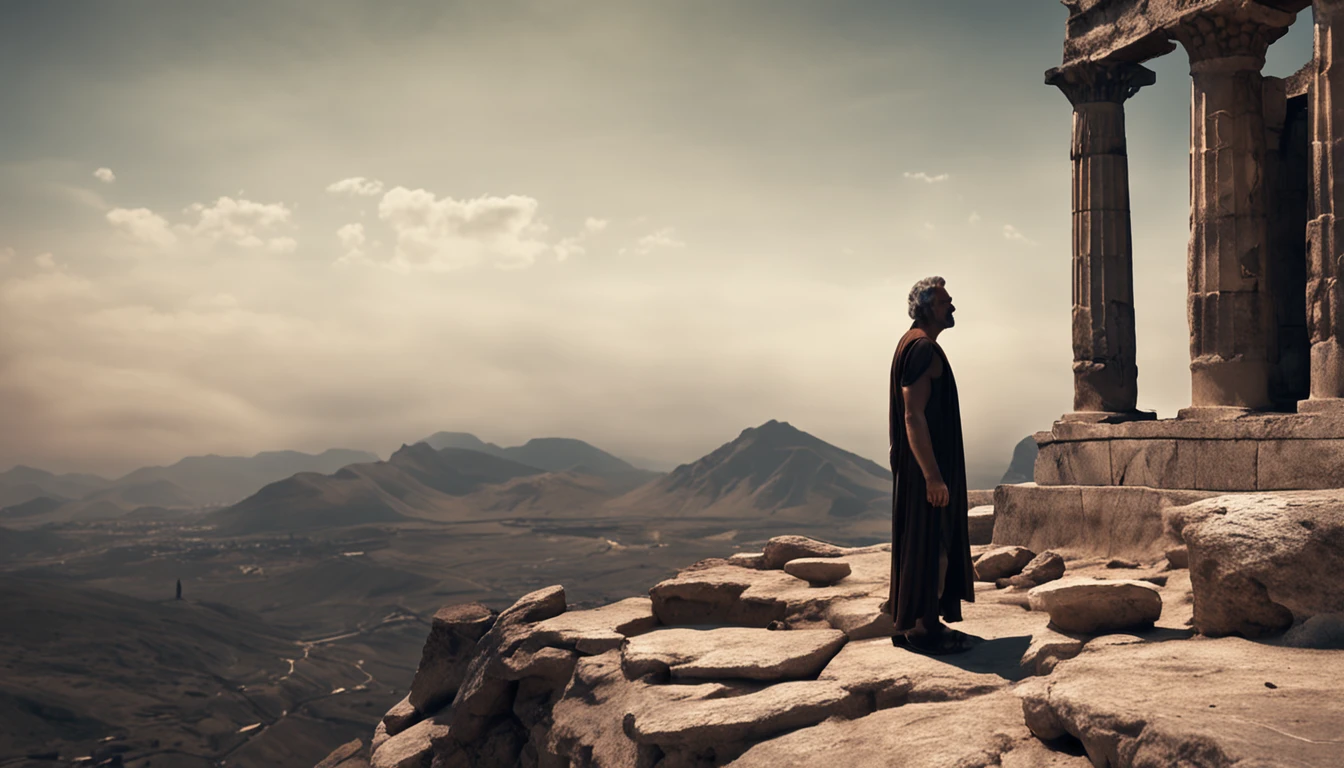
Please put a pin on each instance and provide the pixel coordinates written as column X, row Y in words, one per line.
column 690, row 677
column 1159, row 704
column 453, row 635
column 1092, row 606
column 1260, row 562
column 782, row 549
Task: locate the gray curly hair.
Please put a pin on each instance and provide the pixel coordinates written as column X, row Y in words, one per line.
column 921, row 296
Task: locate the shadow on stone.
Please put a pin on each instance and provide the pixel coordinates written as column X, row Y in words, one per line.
column 1001, row 656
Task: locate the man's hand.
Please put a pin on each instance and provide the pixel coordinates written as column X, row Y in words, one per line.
column 938, row 494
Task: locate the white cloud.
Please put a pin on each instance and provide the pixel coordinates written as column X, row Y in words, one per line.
column 282, row 245
column 924, row 177
column 439, row 235
column 105, row 175
column 974, row 218
column 1010, row 233
column 237, row 221
column 352, row 240
column 45, row 261
column 357, row 185
column 569, row 247
column 142, row 224
column 593, row 225
column 663, row 238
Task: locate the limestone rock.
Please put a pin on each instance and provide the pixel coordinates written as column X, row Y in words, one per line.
column 985, row 731
column 694, row 726
column 401, row 716
column 860, row 618
column 817, row 570
column 1121, row 562
column 453, row 635
column 893, row 676
column 379, row 737
column 1044, row 568
column 1151, row 704
column 748, row 559
column 1092, row 607
column 412, row 748
column 1002, row 562
column 730, row 652
column 1324, row 631
column 1178, row 557
column 1258, row 562
column 981, row 524
column 782, row 549
column 486, row 688
column 597, row 630
column 345, row 756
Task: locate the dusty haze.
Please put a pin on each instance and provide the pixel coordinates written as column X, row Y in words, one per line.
column 238, row 227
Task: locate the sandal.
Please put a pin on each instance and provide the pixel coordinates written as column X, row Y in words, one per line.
column 948, row 642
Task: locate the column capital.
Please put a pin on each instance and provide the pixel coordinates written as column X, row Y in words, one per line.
column 1095, row 81
column 1231, row 33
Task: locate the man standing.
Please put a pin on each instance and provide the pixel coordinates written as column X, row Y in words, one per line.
column 931, row 570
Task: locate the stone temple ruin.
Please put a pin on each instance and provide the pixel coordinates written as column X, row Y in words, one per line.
column 1217, row 643
column 1266, row 281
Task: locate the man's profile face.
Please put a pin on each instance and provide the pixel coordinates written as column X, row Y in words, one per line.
column 942, row 309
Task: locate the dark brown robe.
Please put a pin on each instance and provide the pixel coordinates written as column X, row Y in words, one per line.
column 920, row 531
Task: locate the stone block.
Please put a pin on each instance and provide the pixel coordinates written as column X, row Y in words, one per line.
column 1154, row 463
column 981, row 524
column 1075, row 463
column 1285, row 465
column 1225, row 465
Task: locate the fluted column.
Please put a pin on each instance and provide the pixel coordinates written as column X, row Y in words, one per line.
column 1325, row 238
column 1230, row 307
column 1105, row 375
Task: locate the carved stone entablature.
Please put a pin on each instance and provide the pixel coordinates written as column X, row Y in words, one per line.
column 1090, row 82
column 1241, row 30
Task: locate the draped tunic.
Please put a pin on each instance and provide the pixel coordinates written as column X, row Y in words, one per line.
column 920, row 531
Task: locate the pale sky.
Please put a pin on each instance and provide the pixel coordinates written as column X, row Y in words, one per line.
column 246, row 226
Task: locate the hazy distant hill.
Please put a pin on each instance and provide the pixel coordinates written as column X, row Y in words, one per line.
column 553, row 454
column 773, row 469
column 416, row 481
column 22, row 483
column 216, row 479
column 1022, row 467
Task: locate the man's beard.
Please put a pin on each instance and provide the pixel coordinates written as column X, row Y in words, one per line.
column 951, row 321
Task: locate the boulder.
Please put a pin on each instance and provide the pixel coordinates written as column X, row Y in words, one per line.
column 730, row 652
column 401, row 716
column 1157, row 704
column 345, row 756
column 860, row 618
column 1002, row 562
column 1259, row 562
column 818, row 570
column 782, row 549
column 412, row 748
column 453, row 634
column 379, row 737
column 1324, row 631
column 748, row 559
column 1044, row 568
column 1178, row 557
column 981, row 524
column 1090, row 606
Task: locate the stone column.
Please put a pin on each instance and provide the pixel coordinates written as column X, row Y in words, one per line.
column 1230, row 307
column 1325, row 239
column 1105, row 376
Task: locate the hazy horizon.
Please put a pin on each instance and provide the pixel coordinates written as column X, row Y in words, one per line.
column 247, row 227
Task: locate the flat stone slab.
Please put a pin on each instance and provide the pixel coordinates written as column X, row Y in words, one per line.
column 980, row 522
column 984, row 731
column 411, row 748
column 818, row 570
column 709, row 723
column 1093, row 606
column 782, row 549
column 730, row 653
column 597, row 630
column 1239, row 702
column 895, row 676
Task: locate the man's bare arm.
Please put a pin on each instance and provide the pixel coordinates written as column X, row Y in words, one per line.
column 916, row 397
